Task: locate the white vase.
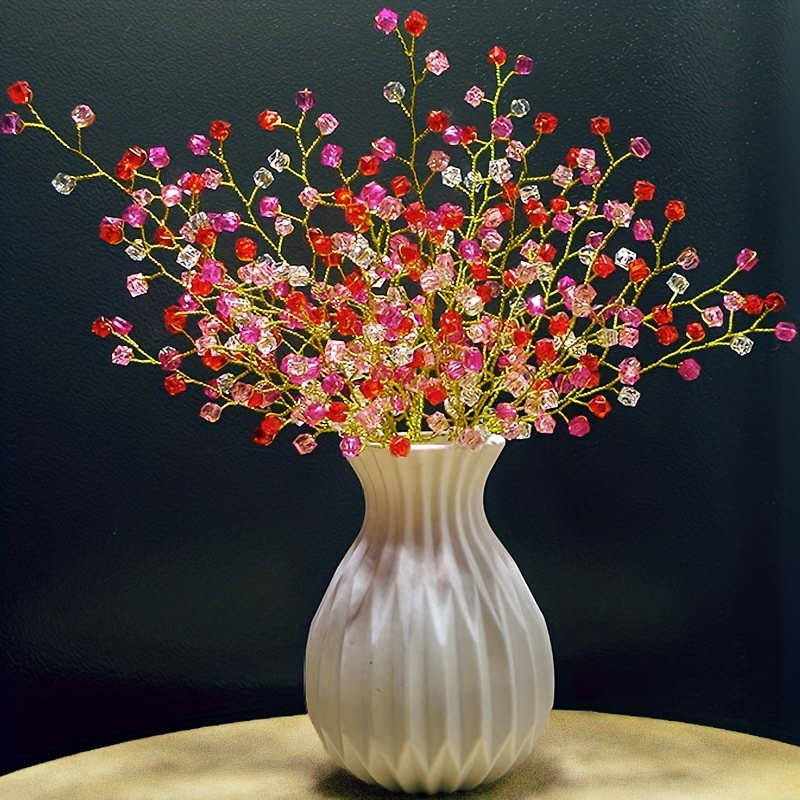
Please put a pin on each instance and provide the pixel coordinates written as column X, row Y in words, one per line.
column 428, row 665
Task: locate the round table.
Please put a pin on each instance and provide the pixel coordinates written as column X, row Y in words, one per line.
column 582, row 756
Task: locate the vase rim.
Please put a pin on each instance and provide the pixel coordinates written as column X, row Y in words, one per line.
column 443, row 443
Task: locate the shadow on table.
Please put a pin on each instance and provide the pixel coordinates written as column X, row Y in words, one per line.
column 533, row 777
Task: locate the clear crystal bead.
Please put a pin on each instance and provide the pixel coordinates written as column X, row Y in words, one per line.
column 544, row 272
column 63, row 183
column 298, row 275
column 188, row 256
column 262, row 177
column 136, row 251
column 628, row 396
column 472, row 179
column 523, row 430
column 279, row 160
column 470, row 395
column 548, row 399
column 529, row 192
column 578, row 348
column 741, row 345
column 586, row 254
column 281, row 272
column 394, row 91
column 607, row 337
column 451, row 177
column 519, row 107
column 677, row 283
column 624, row 257
column 500, row 170
column 374, row 332
column 402, row 354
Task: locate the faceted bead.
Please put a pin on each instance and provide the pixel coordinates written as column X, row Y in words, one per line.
column 283, row 227
column 452, row 135
column 199, row 144
column 599, row 406
column 170, row 359
column 400, row 446
column 262, row 177
column 689, row 369
column 438, row 120
column 501, row 128
column 386, row 22
column 121, row 355
column 211, row 412
column 562, row 176
column 309, row 197
column 753, row 304
column 603, row 266
column 188, row 256
column 677, row 283
column 733, row 301
column 20, row 93
column 563, row 222
column 63, row 183
column 642, row 230
column 628, row 396
column 350, row 446
column 774, row 302
column 638, row 270
column 102, row 327
column 544, row 423
column 600, row 126
column 624, row 257
column 142, row 196
column 639, row 147
column 171, row 194
column 135, row 157
column 269, row 120
column 331, row 155
column 662, row 315
column 497, row 55
column 174, row 384
column 394, row 91
column 667, row 334
column 269, row 206
column 629, row 370
column 675, row 210
column 470, row 438
column 11, row 124
column 438, row 161
column 695, row 331
column 523, row 65
column 437, row 62
column 451, row 176
column 111, row 230
column 578, row 426
column 212, row 178
column 304, row 100
column 628, row 337
column 158, row 156
column 136, row 284
column 415, row 23
column 607, row 337
column 713, row 316
column 369, row 165
column 785, row 331
column 246, row 249
column 474, row 96
column 644, row 190
column 519, row 107
column 545, row 123
column 278, row 160
column 741, row 345
column 746, row 259
column 135, row 215
column 82, row 116
column 327, row 124
column 384, row 148
column 136, row 251
column 220, row 130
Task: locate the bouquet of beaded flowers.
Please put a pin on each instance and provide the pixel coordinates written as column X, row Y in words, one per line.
column 505, row 305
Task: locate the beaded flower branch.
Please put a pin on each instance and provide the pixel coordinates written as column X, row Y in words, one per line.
column 498, row 310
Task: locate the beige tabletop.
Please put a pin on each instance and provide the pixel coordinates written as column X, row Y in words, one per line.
column 582, row 756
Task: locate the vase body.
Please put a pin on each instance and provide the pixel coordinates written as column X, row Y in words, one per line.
column 428, row 665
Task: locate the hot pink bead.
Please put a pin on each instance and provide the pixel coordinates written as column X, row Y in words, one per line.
column 135, row 215
column 11, row 124
column 386, row 20
column 474, row 96
column 785, row 331
column 589, row 177
column 506, row 411
column 269, row 206
column 452, row 135
column 314, row 413
column 437, row 62
column 562, row 222
column 350, row 446
column 640, row 147
column 372, row 194
column 469, row 249
column 136, row 284
column 473, row 359
column 229, row 221
column 384, row 148
column 304, row 100
column 689, row 369
column 746, row 259
column 628, row 337
column 170, row 359
column 536, row 305
column 199, row 144
column 454, row 370
column 331, row 155
column 642, row 230
column 327, row 124
column 211, row 271
column 210, row 412
column 579, row 426
column 121, row 326
column 159, row 157
column 332, row 384
column 171, row 194
column 502, row 128
column 523, row 65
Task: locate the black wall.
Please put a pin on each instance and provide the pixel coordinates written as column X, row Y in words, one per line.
column 161, row 573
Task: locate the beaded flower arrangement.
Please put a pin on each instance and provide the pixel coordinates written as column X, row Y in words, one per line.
column 505, row 305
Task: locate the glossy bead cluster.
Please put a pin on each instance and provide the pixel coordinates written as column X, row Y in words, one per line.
column 521, row 302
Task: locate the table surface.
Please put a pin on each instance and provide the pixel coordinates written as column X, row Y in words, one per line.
column 582, row 756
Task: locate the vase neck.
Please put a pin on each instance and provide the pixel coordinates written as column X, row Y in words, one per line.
column 435, row 491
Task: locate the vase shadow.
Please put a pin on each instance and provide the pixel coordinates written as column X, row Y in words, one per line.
column 537, row 775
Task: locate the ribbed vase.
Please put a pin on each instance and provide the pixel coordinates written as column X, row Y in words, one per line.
column 428, row 666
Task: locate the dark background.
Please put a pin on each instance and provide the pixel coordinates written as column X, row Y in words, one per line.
column 160, row 573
